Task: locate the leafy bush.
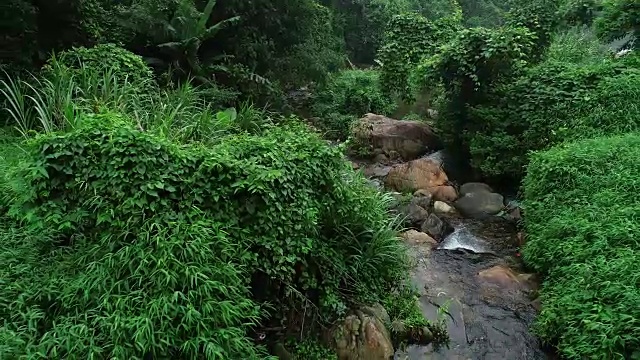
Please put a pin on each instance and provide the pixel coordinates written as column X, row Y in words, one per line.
column 364, row 23
column 410, row 39
column 580, row 220
column 280, row 215
column 105, row 58
column 348, row 95
column 619, row 18
column 579, row 12
column 552, row 103
column 539, row 17
column 469, row 67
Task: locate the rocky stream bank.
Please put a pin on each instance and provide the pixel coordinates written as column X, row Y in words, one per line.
column 464, row 240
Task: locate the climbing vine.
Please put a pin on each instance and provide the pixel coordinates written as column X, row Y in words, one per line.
column 410, row 39
column 539, row 16
column 468, row 67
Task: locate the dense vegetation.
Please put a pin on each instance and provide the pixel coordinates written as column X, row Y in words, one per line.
column 153, row 175
column 583, row 229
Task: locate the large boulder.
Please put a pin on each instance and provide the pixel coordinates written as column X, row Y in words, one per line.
column 415, row 237
column 435, row 227
column 474, row 187
column 480, row 204
column 363, row 336
column 445, row 193
column 415, row 214
column 415, row 175
column 395, row 138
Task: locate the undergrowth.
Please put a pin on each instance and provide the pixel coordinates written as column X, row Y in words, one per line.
column 583, row 231
column 134, row 229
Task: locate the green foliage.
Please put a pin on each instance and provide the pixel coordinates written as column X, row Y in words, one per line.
column 19, row 30
column 348, row 95
column 320, row 54
column 102, row 58
column 261, row 44
column 280, row 214
column 185, row 33
column 402, row 305
column 577, row 45
column 469, row 67
column 619, row 18
column 311, row 350
column 54, row 102
column 410, row 39
column 552, row 103
column 579, row 12
column 79, row 301
column 540, row 17
column 11, row 155
column 582, row 234
column 364, row 23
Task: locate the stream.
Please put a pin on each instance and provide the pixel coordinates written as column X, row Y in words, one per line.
column 488, row 316
column 474, row 279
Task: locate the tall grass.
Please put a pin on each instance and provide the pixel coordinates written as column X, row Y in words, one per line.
column 57, row 98
column 578, row 45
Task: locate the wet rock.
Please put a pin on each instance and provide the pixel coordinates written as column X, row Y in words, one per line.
column 424, row 201
column 376, row 171
column 414, row 237
column 362, row 336
column 463, row 239
column 484, row 319
column 408, row 139
column 416, row 214
column 442, row 207
column 480, row 204
column 506, row 277
column 500, row 275
column 515, row 214
column 381, row 159
column 434, row 226
column 475, row 187
column 444, row 193
column 415, row 175
column 376, row 184
column 422, row 192
column 378, row 311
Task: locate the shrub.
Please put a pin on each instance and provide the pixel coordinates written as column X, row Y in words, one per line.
column 539, row 17
column 364, row 23
column 619, row 18
column 552, row 103
column 410, row 39
column 469, row 68
column 280, row 214
column 350, row 94
column 579, row 12
column 582, row 234
column 105, row 58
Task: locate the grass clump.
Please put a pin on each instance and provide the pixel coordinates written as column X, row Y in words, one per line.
column 581, row 212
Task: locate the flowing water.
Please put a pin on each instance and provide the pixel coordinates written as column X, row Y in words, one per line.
column 473, row 280
column 488, row 317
